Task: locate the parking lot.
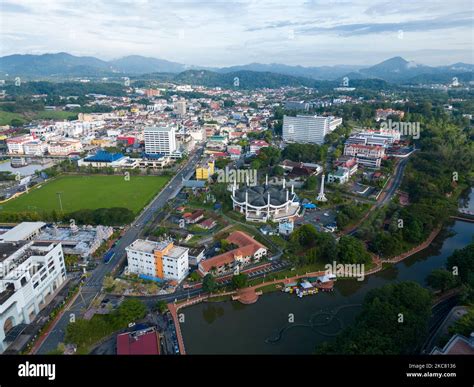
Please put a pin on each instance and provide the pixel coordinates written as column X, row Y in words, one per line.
column 319, row 218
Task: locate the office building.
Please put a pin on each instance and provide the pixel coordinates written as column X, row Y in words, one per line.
column 160, row 140
column 158, row 260
column 308, row 129
column 367, row 155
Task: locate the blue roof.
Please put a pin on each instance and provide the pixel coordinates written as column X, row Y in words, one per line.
column 105, row 157
column 152, row 155
column 309, row 205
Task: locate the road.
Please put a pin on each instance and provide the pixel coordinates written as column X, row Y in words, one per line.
column 93, row 284
column 388, row 194
column 397, row 180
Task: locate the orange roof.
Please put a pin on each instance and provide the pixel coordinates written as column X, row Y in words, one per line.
column 241, row 239
column 247, row 247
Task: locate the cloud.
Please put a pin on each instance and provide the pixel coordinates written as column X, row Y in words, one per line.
column 226, row 32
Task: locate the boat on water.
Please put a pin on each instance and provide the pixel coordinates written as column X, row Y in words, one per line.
column 310, row 286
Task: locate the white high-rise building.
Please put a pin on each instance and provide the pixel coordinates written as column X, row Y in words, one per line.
column 30, row 273
column 308, row 129
column 162, row 260
column 160, row 140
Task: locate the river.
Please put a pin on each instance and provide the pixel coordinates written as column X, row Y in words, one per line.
column 284, row 324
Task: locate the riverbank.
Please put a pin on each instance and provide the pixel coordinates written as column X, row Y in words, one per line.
column 231, row 327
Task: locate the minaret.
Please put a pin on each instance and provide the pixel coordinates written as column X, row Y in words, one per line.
column 284, row 183
column 266, row 180
column 246, row 202
column 292, row 189
column 268, row 205
column 321, row 197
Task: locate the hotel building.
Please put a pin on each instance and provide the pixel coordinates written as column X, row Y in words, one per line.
column 158, row 260
column 160, row 140
column 308, row 129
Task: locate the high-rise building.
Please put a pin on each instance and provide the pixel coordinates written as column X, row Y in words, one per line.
column 160, row 260
column 180, row 108
column 30, row 273
column 160, row 140
column 308, row 129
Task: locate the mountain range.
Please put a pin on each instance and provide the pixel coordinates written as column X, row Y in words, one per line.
column 64, row 65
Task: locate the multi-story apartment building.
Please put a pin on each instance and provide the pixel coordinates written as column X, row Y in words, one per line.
column 308, row 129
column 35, row 148
column 160, row 140
column 160, row 260
column 16, row 144
column 30, row 273
column 367, row 155
column 64, row 147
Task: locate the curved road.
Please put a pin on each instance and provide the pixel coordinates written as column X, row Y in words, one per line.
column 93, row 284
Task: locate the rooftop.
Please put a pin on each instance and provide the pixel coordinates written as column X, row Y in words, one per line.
column 144, row 342
column 105, row 157
column 258, row 195
column 159, row 128
column 7, row 249
column 21, row 231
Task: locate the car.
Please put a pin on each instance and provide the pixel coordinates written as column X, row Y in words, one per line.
column 326, row 214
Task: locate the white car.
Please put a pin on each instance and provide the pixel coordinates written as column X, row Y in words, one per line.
column 326, row 214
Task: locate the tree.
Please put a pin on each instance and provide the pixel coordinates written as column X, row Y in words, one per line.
column 109, row 283
column 130, row 310
column 352, row 250
column 440, row 279
column 239, row 281
column 378, row 328
column 465, row 325
column 462, row 262
column 161, row 306
column 304, row 235
column 209, row 284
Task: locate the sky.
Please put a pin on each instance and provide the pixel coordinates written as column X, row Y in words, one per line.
column 226, row 32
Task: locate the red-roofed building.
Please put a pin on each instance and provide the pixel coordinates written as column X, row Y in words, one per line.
column 248, row 250
column 457, row 345
column 256, row 145
column 143, row 342
column 207, row 224
column 195, row 217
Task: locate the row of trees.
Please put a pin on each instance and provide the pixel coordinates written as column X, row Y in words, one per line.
column 101, row 216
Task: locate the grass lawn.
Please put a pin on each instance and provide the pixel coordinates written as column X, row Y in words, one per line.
column 89, row 192
column 7, row 117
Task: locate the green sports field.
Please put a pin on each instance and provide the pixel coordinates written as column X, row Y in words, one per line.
column 89, row 192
